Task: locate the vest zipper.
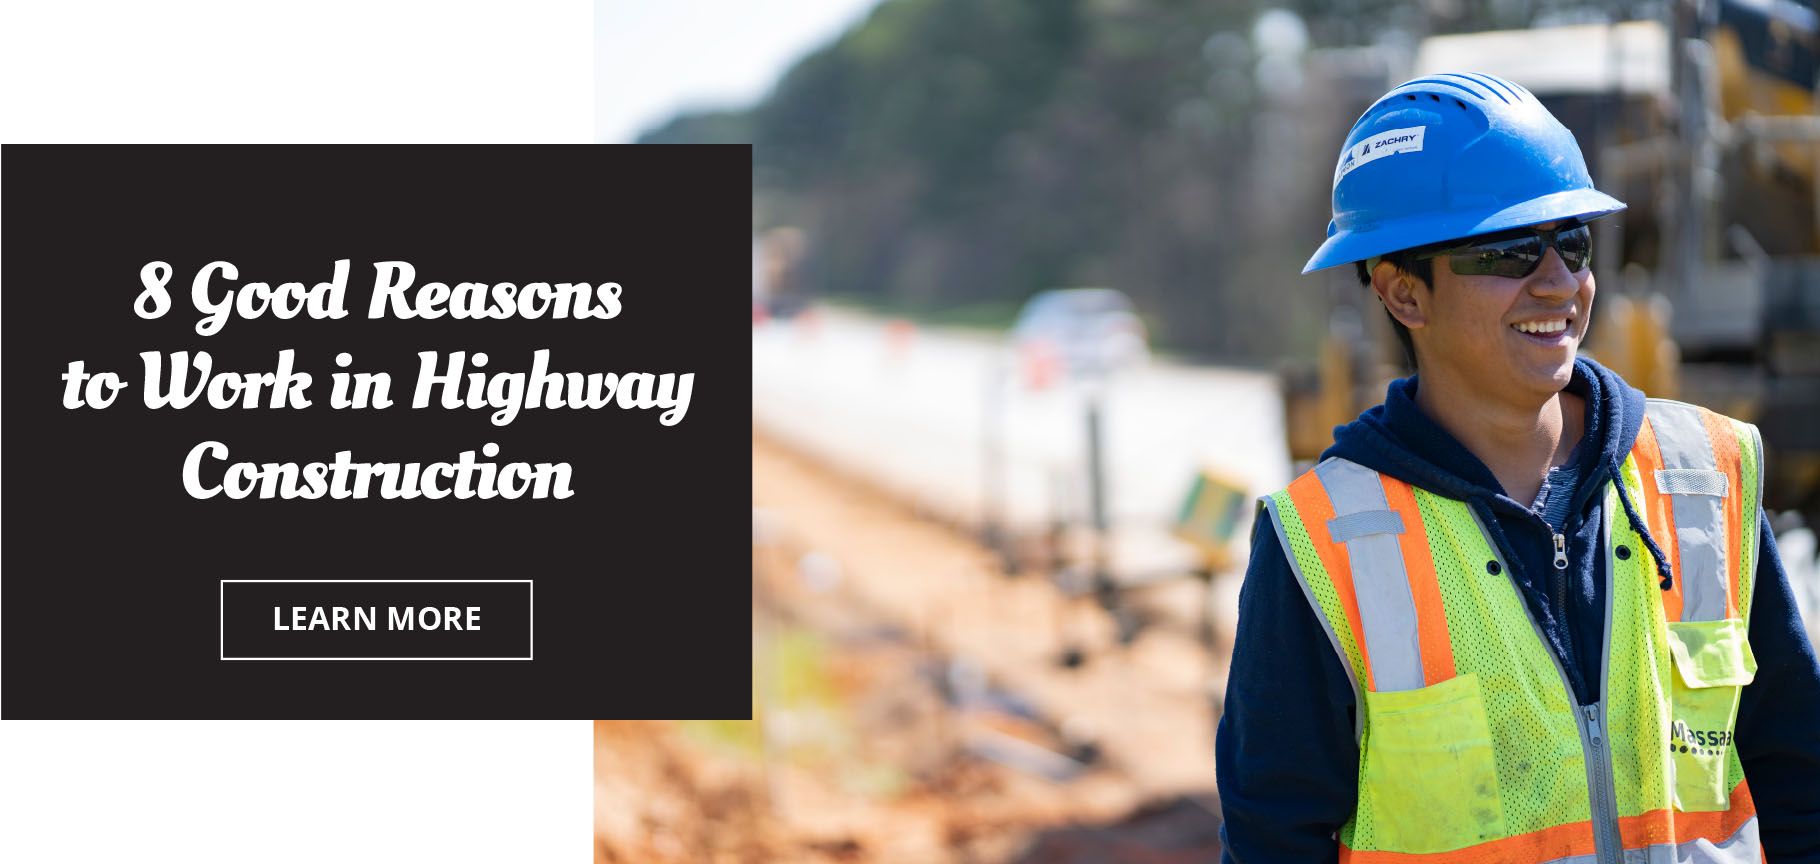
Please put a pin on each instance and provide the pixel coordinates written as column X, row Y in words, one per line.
column 1559, row 584
column 1606, row 842
column 1604, row 795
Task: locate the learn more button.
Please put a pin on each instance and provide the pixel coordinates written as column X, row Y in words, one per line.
column 376, row 619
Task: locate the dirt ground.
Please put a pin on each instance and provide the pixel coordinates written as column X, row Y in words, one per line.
column 909, row 706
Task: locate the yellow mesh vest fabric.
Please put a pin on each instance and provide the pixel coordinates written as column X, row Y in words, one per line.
column 1541, row 770
column 1541, row 773
column 1751, row 451
column 1637, row 663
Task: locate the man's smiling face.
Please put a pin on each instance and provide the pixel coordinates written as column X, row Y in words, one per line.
column 1516, row 333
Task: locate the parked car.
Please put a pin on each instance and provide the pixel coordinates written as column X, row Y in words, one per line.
column 1084, row 332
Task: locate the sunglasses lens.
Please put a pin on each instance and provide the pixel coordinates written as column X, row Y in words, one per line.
column 1517, row 257
column 1511, row 259
column 1575, row 247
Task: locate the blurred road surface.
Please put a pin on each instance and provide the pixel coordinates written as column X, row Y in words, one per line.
column 907, row 409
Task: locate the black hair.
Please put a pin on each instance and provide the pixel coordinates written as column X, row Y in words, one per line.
column 1406, row 262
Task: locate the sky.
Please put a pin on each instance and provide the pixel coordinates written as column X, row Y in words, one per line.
column 656, row 57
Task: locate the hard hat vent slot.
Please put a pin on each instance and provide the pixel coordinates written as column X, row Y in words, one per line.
column 1457, row 85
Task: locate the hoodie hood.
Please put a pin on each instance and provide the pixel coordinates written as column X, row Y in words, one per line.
column 1398, row 439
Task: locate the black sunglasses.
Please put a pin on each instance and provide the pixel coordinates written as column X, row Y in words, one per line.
column 1516, row 254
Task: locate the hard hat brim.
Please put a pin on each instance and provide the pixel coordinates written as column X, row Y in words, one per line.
column 1345, row 247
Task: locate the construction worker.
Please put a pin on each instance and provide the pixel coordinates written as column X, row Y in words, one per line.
column 1518, row 612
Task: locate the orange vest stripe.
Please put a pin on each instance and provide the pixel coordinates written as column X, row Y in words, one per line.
column 1669, row 826
column 1576, row 838
column 1725, row 457
column 1424, row 588
column 1656, row 512
column 1316, row 510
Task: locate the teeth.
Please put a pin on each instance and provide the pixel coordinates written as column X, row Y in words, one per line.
column 1541, row 327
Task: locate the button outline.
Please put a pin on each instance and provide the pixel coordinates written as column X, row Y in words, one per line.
column 221, row 617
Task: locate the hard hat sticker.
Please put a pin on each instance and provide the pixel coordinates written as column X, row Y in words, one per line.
column 1377, row 147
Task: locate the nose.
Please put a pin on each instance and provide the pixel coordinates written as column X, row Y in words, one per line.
column 1552, row 279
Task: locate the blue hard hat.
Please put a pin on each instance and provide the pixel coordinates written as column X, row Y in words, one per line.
column 1448, row 156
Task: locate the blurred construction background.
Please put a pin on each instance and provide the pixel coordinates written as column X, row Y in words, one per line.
column 1029, row 340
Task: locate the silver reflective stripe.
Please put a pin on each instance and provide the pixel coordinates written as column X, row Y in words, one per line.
column 1387, row 610
column 1742, row 847
column 1699, row 519
column 1691, row 481
column 1295, row 565
column 1344, row 528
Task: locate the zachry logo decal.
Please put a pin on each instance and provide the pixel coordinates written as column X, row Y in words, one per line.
column 1379, row 146
column 1703, row 742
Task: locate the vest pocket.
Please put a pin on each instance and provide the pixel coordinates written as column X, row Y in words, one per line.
column 1428, row 768
column 1713, row 662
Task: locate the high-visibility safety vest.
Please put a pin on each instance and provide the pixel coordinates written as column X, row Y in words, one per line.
column 1472, row 747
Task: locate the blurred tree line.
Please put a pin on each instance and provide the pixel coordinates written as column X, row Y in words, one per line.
column 949, row 154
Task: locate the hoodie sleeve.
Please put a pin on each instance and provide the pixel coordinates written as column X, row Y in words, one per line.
column 1286, row 758
column 1778, row 734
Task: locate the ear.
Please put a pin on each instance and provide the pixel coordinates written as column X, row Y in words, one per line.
column 1404, row 295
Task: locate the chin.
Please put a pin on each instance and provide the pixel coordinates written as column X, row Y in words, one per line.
column 1542, row 379
column 1554, row 379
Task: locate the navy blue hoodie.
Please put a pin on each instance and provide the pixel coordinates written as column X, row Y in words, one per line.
column 1287, row 759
